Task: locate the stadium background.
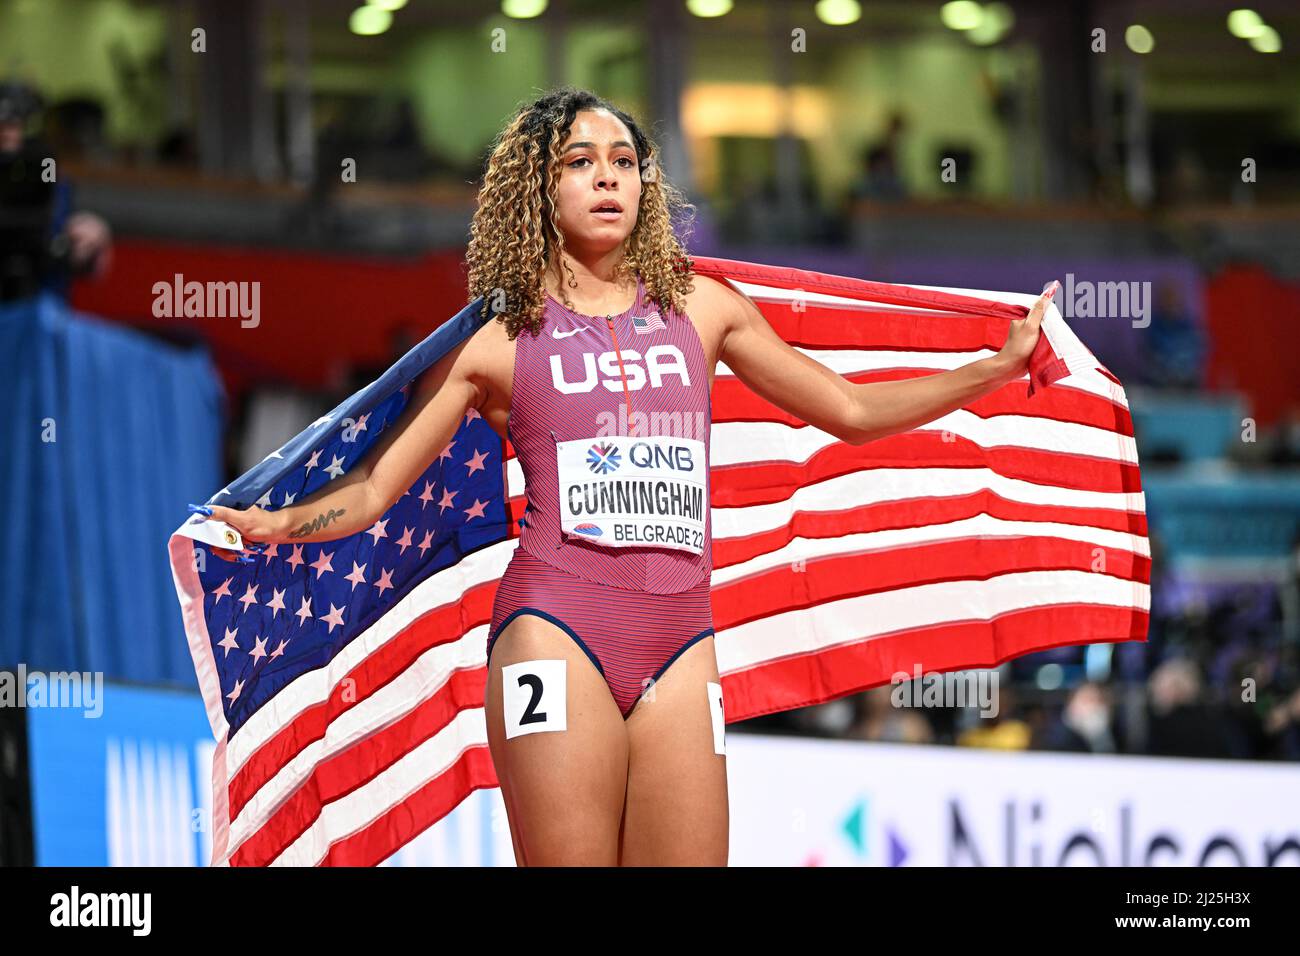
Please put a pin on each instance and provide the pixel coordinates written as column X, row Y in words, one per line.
column 1171, row 160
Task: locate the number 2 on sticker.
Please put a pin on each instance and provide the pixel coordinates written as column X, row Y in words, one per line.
column 531, row 714
column 533, row 697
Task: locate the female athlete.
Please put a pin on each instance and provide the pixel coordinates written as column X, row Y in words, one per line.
column 603, row 697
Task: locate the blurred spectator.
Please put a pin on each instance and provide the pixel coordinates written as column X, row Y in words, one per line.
column 42, row 242
column 831, row 719
column 879, row 719
column 1084, row 726
column 1176, row 346
column 1281, row 442
column 1179, row 723
column 1282, row 725
column 1003, row 731
column 881, row 179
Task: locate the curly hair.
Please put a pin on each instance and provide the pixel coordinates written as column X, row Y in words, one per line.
column 514, row 235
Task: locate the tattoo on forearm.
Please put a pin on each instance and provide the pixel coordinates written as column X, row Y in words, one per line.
column 319, row 522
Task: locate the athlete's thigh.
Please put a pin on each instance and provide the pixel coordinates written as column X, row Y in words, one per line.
column 676, row 811
column 563, row 789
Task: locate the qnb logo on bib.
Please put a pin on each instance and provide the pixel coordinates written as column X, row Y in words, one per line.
column 631, row 491
column 662, row 364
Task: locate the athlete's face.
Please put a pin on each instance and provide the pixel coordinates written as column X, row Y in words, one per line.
column 598, row 167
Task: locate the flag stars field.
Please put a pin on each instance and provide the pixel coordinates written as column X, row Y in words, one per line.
column 426, row 495
column 323, row 562
column 334, row 618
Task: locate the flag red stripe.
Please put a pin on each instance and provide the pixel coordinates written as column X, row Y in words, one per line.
column 766, row 482
column 914, row 513
column 827, row 674
column 825, row 326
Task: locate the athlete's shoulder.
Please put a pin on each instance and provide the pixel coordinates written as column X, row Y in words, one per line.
column 706, row 287
column 715, row 302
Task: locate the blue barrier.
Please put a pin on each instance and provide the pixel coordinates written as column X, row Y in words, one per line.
column 1191, row 427
column 107, row 434
column 1233, row 515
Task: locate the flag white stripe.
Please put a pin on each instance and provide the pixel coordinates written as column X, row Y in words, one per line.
column 737, row 443
column 824, row 625
column 782, row 294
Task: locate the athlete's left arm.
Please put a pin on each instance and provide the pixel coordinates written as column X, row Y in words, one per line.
column 859, row 412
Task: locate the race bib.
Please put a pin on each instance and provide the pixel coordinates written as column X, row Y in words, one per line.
column 625, row 491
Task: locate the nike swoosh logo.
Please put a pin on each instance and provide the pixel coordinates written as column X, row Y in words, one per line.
column 556, row 333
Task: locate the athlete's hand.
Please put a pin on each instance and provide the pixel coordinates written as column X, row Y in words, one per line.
column 258, row 526
column 1022, row 337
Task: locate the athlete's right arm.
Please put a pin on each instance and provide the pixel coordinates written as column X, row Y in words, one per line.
column 355, row 500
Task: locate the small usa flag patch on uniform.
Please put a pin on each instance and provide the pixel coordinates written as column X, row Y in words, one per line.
column 648, row 323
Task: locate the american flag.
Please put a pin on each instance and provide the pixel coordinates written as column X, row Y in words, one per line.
column 344, row 680
column 645, row 324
